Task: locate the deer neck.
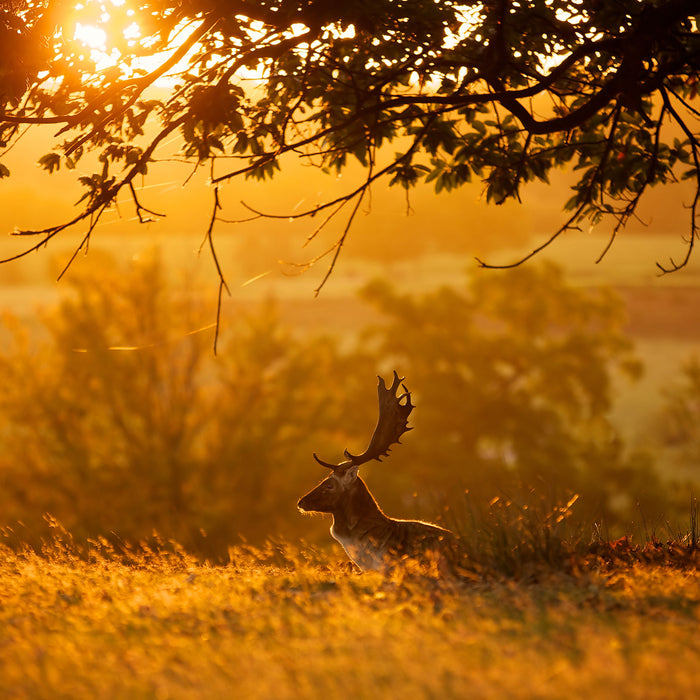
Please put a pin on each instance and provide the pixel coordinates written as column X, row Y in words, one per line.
column 360, row 526
column 358, row 507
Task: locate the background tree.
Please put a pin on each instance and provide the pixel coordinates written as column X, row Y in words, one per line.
column 680, row 419
column 506, row 92
column 118, row 419
column 515, row 378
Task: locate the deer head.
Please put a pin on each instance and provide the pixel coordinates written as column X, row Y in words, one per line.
column 332, row 493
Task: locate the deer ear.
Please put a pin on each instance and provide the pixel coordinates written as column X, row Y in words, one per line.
column 349, row 475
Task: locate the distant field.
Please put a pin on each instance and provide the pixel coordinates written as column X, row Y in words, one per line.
column 286, row 624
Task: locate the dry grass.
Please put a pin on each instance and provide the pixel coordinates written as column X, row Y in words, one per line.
column 284, row 623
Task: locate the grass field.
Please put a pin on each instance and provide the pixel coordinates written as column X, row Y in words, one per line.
column 284, row 623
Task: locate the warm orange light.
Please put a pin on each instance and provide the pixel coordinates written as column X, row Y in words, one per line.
column 91, row 36
column 99, row 32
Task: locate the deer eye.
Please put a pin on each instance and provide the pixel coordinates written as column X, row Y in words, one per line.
column 329, row 486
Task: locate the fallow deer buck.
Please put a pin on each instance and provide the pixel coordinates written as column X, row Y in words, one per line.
column 370, row 538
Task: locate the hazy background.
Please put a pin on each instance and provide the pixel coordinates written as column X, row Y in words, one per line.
column 419, row 244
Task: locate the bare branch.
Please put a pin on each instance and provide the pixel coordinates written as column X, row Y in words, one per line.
column 567, row 226
column 341, row 241
column 583, row 205
column 631, row 207
column 695, row 146
column 140, row 209
column 209, row 239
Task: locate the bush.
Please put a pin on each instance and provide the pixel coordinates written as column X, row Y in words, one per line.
column 123, row 421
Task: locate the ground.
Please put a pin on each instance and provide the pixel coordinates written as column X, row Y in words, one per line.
column 286, row 623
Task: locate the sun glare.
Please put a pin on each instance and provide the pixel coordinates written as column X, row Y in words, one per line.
column 95, row 38
column 132, row 32
column 105, row 28
column 91, row 36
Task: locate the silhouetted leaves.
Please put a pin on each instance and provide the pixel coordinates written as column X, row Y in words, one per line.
column 506, row 93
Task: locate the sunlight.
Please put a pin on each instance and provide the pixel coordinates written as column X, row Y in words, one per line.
column 91, row 36
column 132, row 32
column 470, row 19
column 105, row 31
column 95, row 38
column 111, row 34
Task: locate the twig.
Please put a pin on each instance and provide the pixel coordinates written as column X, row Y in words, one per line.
column 140, row 208
column 632, row 204
column 567, row 226
column 209, row 238
column 84, row 243
column 694, row 206
column 340, row 242
column 587, row 199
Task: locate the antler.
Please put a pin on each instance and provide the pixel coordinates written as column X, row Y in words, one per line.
column 391, row 424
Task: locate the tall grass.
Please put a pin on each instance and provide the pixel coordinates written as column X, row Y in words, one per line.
column 110, row 620
column 524, row 536
column 511, row 536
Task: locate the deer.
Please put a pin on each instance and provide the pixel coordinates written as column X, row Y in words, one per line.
column 371, row 539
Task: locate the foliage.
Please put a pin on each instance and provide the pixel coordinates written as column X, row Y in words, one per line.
column 117, row 418
column 679, row 426
column 681, row 413
column 515, row 388
column 276, row 622
column 504, row 92
column 122, row 420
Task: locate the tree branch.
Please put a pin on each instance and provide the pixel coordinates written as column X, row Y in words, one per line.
column 209, row 239
column 696, row 199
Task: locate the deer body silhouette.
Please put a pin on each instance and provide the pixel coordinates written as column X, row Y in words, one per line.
column 370, row 538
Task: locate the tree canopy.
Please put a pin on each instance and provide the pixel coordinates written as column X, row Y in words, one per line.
column 516, row 380
column 438, row 91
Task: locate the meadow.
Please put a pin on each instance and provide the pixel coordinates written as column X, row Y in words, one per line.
column 291, row 622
